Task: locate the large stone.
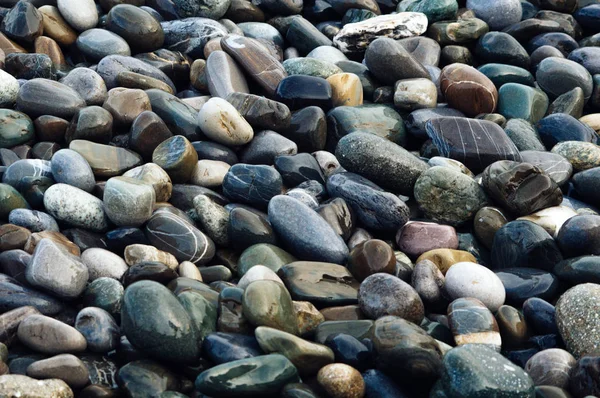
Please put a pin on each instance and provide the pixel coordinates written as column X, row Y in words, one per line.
column 75, row 207
column 50, row 336
column 21, row 386
column 576, row 318
column 128, row 201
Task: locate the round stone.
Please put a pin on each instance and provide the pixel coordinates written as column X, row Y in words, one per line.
column 557, row 76
column 81, row 15
column 69, row 167
column 473, row 280
column 468, row 90
column 551, row 368
column 576, row 317
column 128, row 201
column 497, row 14
column 341, row 381
column 75, row 207
column 50, row 336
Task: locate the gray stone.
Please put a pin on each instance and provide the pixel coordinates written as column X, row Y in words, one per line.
column 33, row 220
column 80, row 14
column 88, row 84
column 66, row 367
column 99, row 329
column 75, row 207
column 466, row 279
column 577, row 319
column 69, row 167
column 103, row 263
column 49, row 336
column 128, row 201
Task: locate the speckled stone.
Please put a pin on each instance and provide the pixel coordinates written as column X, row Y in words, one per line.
column 582, row 155
column 341, row 381
column 20, row 385
column 76, row 207
column 577, row 319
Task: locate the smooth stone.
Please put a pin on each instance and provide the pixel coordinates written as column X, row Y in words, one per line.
column 287, row 214
column 299, row 91
column 481, row 283
column 298, row 168
column 411, row 94
column 416, row 238
column 106, row 160
column 99, row 329
column 461, row 31
column 322, row 284
column 10, row 321
column 502, row 48
column 263, row 375
column 212, row 151
column 378, row 384
column 261, row 112
column 177, row 157
column 15, row 128
column 154, row 321
column 551, row 218
column 417, row 120
column 524, row 135
column 143, row 377
column 575, row 319
column 69, row 167
column 16, row 295
column 498, row 15
column 459, row 81
column 266, row 254
column 341, row 380
column 401, row 65
column 102, row 263
column 435, row 11
column 50, row 336
column 556, row 166
column 68, row 276
column 105, row 293
column 125, row 105
column 99, row 43
column 154, row 176
column 128, row 201
column 578, row 235
column 347, row 89
column 179, row 116
column 577, row 270
column 266, row 146
column 396, row 168
column 482, row 371
column 177, row 236
column 582, row 155
column 209, row 173
column 471, row 322
column 9, row 89
column 221, row 122
column 56, row 27
column 557, row 76
column 350, row 351
column 246, row 228
column 23, row 23
column 75, row 207
column 223, row 75
column 551, row 367
column 561, row 127
column 15, row 384
column 65, row 367
column 382, row 294
column 500, row 73
column 481, row 142
column 252, row 184
column 588, row 57
column 522, row 102
column 355, row 38
column 428, row 281
column 80, row 15
column 110, row 66
column 140, row 29
column 35, row 221
column 371, row 257
column 227, row 347
column 39, row 97
column 523, row 283
column 439, row 186
column 257, row 62
column 308, row 129
column 513, row 329
column 10, row 199
column 310, row 67
column 305, row 37
column 213, row 218
column 268, row 303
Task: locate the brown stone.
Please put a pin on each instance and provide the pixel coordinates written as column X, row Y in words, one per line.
column 341, row 381
column 371, row 257
column 137, row 80
column 487, row 221
column 346, row 89
column 9, row 323
column 54, row 236
column 211, row 46
column 46, row 45
column 468, row 90
column 198, row 75
column 126, row 104
column 308, row 317
column 177, row 157
column 105, row 160
column 56, row 27
column 13, row 237
column 50, row 128
column 244, row 11
column 416, row 238
column 9, row 46
column 343, row 313
column 445, row 258
column 135, row 254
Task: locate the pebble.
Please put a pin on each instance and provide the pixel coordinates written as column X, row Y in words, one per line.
column 576, row 320
column 220, row 121
column 481, row 283
column 471, row 322
column 16, row 384
column 76, row 207
column 65, row 367
column 551, row 368
column 50, row 336
column 128, row 201
column 341, row 381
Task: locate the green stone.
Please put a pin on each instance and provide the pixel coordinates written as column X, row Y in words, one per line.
column 457, row 32
column 359, row 329
column 476, row 371
column 15, row 128
column 582, row 155
column 571, row 103
column 524, row 135
column 105, row 293
column 522, row 102
column 306, row 356
column 259, row 376
column 3, row 353
column 381, row 120
column 155, row 322
column 265, row 254
column 268, row 303
column 310, row 67
column 202, row 312
column 141, row 379
column 354, row 15
column 501, row 74
column 182, row 284
column 435, row 10
column 10, row 199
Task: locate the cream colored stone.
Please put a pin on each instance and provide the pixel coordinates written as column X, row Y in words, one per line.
column 346, row 89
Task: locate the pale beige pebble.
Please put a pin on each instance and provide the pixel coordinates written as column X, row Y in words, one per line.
column 551, row 218
column 135, row 254
column 50, row 336
column 209, row 173
column 592, row 120
column 66, row 367
column 308, row 316
column 341, row 381
column 222, row 123
column 328, row 163
column 412, row 94
column 19, row 386
column 154, row 175
column 346, row 89
column 187, row 269
column 196, row 102
column 56, row 27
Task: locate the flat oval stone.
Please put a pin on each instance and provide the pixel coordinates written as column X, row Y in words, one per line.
column 471, row 322
column 323, row 284
column 140, row 29
column 80, row 15
column 35, row 221
column 69, row 167
column 475, row 143
column 382, row 294
column 497, row 15
column 461, row 31
column 75, row 207
column 502, row 48
column 560, row 127
column 88, row 84
column 106, row 160
column 15, row 128
column 557, row 76
column 582, row 155
column 399, row 64
column 287, row 214
column 110, row 66
column 262, row 375
column 50, row 336
column 473, row 280
column 299, row 91
column 190, row 35
column 19, row 384
column 416, row 238
column 578, row 270
column 175, row 235
column 551, row 367
column 458, row 81
column 46, row 97
column 66, row 367
column 261, row 112
column 310, row 67
column 153, row 319
column 99, row 43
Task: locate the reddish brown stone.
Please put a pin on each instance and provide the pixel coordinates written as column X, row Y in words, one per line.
column 468, row 90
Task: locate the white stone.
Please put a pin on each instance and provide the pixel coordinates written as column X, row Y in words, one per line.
column 75, row 207
column 188, row 269
column 128, row 202
column 328, row 54
column 210, row 173
column 328, row 163
column 9, row 88
column 222, row 123
column 258, row 273
column 154, row 175
column 80, row 14
column 467, row 279
column 103, row 263
column 356, row 37
column 551, row 218
column 24, row 386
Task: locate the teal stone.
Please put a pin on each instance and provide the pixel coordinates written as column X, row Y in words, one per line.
column 435, row 10
column 105, row 293
column 155, row 322
column 501, row 74
column 571, row 103
column 10, row 199
column 354, row 15
column 476, row 371
column 142, row 379
column 16, row 128
column 265, row 254
column 310, row 67
column 259, row 376
column 524, row 135
column 202, row 312
column 381, row 120
column 522, row 102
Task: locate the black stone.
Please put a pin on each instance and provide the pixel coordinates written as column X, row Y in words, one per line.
column 524, row 283
column 299, row 91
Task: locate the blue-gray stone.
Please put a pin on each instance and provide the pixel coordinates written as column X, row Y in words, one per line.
column 69, row 167
column 33, row 220
column 99, row 329
column 252, row 184
column 560, row 127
